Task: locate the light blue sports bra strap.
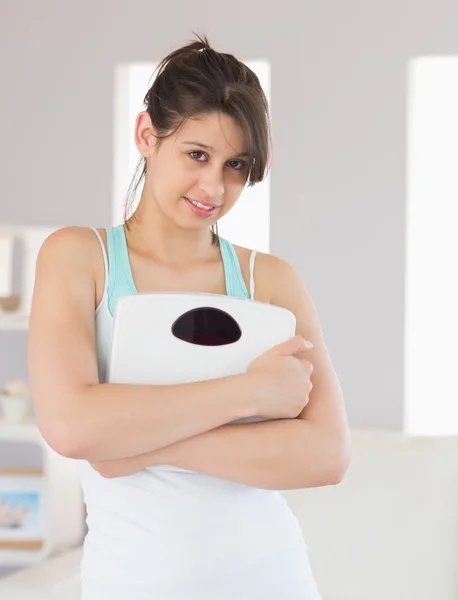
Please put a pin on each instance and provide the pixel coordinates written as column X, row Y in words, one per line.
column 120, row 282
column 235, row 284
column 111, row 267
column 128, row 281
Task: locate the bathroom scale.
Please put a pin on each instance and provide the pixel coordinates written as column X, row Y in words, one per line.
column 166, row 338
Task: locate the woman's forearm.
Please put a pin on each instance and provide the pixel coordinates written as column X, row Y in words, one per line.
column 115, row 421
column 280, row 455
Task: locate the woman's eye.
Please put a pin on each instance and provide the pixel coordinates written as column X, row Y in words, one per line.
column 191, row 154
column 240, row 163
column 237, row 165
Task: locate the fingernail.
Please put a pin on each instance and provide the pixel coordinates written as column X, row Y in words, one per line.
column 308, row 344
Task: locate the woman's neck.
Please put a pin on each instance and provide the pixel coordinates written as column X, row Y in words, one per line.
column 167, row 243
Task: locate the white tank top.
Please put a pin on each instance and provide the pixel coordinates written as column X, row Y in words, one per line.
column 168, row 535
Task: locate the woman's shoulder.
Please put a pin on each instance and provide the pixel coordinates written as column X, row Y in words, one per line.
column 266, row 263
column 73, row 245
column 270, row 272
column 68, row 237
column 75, row 251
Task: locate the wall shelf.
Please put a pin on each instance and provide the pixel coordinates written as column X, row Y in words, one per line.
column 14, row 322
column 63, row 507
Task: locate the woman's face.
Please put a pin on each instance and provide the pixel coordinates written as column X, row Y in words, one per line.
column 203, row 162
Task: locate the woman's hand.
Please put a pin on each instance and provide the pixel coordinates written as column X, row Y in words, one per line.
column 283, row 376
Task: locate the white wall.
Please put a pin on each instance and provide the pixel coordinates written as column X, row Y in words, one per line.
column 339, row 76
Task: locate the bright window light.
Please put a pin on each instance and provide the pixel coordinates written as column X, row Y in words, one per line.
column 248, row 223
column 431, row 348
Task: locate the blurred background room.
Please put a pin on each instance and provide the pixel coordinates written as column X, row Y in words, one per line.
column 361, row 199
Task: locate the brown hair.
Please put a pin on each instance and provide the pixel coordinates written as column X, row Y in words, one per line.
column 196, row 80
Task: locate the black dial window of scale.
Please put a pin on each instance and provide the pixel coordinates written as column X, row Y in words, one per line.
column 207, row 326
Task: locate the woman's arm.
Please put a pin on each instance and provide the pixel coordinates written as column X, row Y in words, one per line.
column 81, row 418
column 279, row 455
column 312, row 450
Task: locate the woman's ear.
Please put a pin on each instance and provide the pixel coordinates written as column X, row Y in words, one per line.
column 144, row 134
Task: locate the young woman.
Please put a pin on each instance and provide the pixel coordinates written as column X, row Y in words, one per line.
column 183, row 500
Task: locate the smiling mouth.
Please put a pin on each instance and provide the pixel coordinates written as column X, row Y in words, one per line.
column 201, row 209
column 203, row 205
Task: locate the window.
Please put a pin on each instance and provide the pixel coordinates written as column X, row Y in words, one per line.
column 431, row 340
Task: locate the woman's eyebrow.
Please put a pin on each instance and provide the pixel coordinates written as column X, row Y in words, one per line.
column 209, row 148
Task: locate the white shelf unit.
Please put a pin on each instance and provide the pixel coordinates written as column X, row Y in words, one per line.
column 30, row 239
column 63, row 502
column 63, row 507
column 14, row 322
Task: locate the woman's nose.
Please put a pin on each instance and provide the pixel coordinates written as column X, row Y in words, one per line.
column 212, row 184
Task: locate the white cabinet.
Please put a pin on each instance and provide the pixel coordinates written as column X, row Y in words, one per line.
column 62, row 513
column 14, row 322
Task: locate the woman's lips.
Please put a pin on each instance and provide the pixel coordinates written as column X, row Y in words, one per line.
column 201, row 212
